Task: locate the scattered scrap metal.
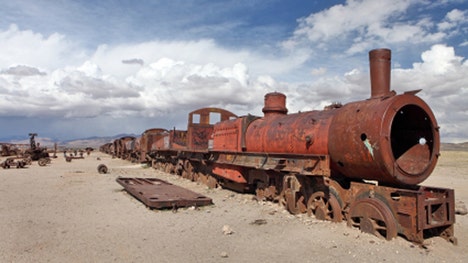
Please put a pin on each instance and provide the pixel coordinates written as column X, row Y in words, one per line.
column 102, row 169
column 18, row 162
column 159, row 194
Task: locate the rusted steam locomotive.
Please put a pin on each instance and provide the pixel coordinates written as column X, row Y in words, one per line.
column 361, row 162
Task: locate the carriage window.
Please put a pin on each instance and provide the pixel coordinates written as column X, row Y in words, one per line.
column 215, row 117
column 196, row 118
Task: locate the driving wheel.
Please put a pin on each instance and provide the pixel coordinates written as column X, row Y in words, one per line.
column 324, row 207
column 374, row 217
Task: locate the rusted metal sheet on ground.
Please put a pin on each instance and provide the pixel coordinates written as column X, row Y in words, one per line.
column 157, row 193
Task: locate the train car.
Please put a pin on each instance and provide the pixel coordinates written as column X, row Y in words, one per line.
column 362, row 162
column 133, row 149
column 107, row 148
column 183, row 152
column 123, row 146
column 147, row 139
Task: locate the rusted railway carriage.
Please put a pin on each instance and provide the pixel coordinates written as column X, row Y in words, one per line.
column 123, row 147
column 361, row 162
column 186, row 152
column 147, row 139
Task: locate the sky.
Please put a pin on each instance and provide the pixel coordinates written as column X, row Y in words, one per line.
column 74, row 69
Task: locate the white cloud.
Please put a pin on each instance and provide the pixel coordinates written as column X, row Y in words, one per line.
column 439, row 60
column 33, row 49
column 357, row 26
column 453, row 20
column 103, row 84
column 342, row 21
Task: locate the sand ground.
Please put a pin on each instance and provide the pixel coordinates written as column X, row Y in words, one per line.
column 68, row 212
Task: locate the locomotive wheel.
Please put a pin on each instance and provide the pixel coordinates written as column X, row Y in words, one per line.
column 42, row 162
column 169, row 168
column 291, row 197
column 211, row 182
column 374, row 217
column 20, row 164
column 102, row 169
column 187, row 172
column 293, row 204
column 157, row 165
column 202, row 178
column 324, row 207
column 195, row 176
column 265, row 193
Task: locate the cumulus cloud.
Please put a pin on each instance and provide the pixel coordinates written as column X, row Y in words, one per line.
column 133, row 61
column 99, row 86
column 25, row 47
column 22, row 70
column 453, row 20
column 367, row 23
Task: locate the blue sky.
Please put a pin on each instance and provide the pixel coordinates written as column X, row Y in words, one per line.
column 73, row 69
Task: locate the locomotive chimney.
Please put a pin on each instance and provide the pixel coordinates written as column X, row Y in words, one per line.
column 379, row 61
column 275, row 103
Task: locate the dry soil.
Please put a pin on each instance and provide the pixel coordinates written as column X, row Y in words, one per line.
column 68, row 212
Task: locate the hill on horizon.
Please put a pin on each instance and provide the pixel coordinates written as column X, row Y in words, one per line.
column 97, row 141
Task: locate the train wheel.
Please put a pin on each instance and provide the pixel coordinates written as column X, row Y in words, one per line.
column 324, row 207
column 157, row 165
column 266, row 193
column 195, row 176
column 374, row 217
column 211, row 182
column 102, row 169
column 169, row 168
column 291, row 197
column 202, row 178
column 187, row 172
column 42, row 162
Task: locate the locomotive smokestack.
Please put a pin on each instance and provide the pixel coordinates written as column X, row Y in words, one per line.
column 379, row 62
column 275, row 103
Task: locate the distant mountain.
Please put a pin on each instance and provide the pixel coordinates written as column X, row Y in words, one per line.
column 454, row 146
column 94, row 141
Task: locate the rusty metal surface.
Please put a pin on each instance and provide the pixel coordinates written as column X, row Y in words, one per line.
column 379, row 63
column 416, row 213
column 275, row 103
column 200, row 126
column 120, row 146
column 17, row 162
column 303, row 164
column 156, row 193
column 391, row 138
column 147, row 139
column 394, row 141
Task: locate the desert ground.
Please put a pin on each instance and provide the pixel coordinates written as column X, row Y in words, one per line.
column 68, row 212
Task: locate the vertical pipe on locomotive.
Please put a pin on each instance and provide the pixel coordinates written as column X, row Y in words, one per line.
column 380, row 64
